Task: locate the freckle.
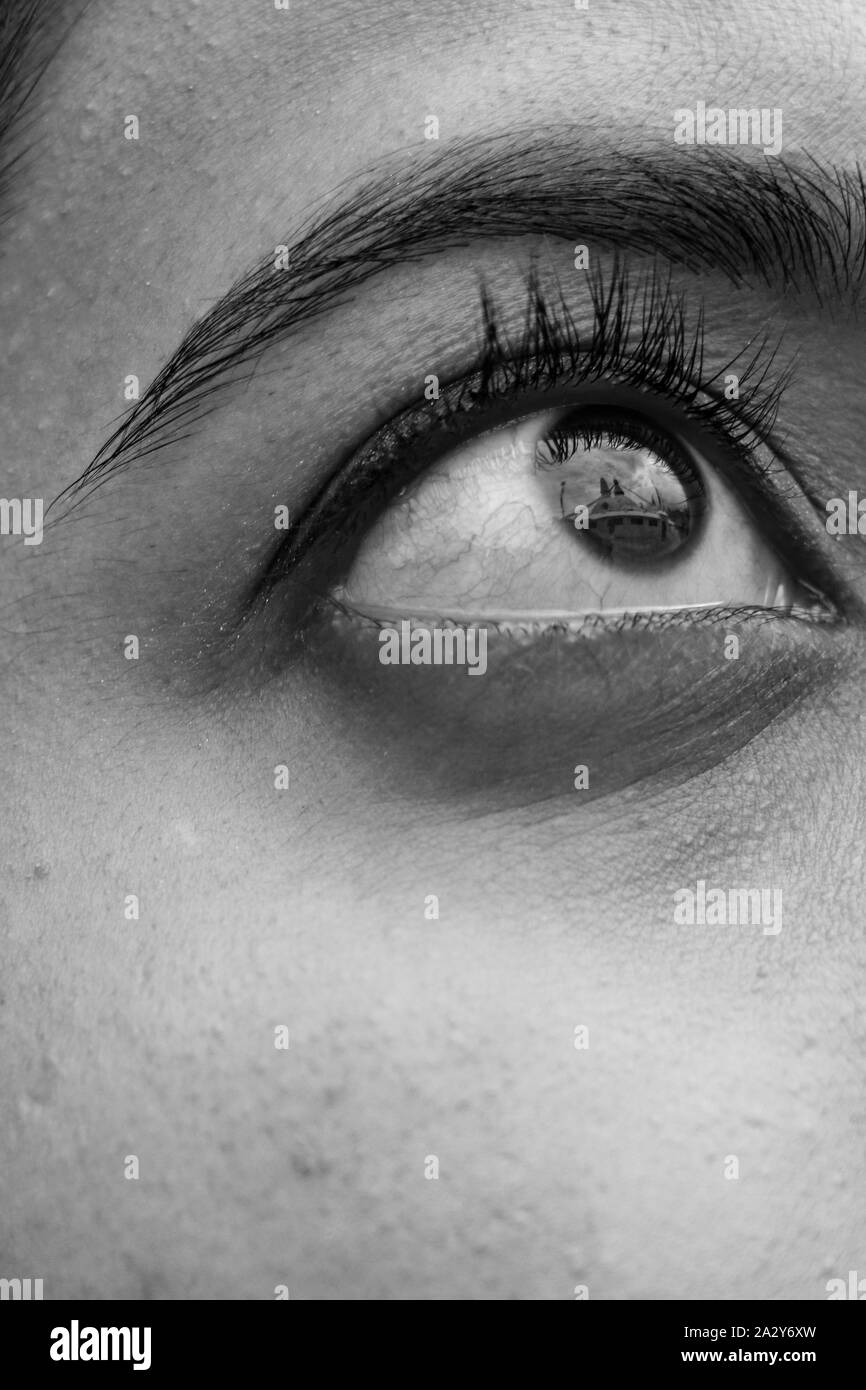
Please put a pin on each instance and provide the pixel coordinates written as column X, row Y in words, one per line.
column 41, row 870
column 43, row 1085
column 309, row 1164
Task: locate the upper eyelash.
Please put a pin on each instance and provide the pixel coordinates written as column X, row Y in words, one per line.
column 639, row 337
column 591, row 433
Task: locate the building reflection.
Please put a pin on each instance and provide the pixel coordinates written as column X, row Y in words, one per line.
column 622, row 521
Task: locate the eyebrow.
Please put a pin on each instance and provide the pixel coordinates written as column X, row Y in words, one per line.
column 790, row 224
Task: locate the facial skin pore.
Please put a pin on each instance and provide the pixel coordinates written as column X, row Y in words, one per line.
column 260, row 906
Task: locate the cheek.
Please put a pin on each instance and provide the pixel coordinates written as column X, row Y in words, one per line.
column 432, row 1129
column 416, row 1037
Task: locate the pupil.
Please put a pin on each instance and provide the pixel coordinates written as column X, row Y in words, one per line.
column 628, row 502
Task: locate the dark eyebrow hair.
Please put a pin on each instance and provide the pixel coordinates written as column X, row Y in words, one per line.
column 31, row 34
column 798, row 225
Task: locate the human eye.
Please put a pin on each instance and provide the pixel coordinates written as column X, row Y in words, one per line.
column 596, row 509
column 574, row 475
column 603, row 479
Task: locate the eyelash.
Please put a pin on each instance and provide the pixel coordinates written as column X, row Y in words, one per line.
column 602, row 427
column 640, row 338
column 665, row 357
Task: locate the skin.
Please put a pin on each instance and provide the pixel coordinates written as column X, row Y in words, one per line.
column 558, row 1167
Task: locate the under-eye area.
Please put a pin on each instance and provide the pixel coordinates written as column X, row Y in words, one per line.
column 646, row 699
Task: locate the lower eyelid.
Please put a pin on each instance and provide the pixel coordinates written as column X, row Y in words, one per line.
column 639, row 698
column 565, row 627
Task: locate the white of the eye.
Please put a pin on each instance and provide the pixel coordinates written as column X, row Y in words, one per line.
column 475, row 540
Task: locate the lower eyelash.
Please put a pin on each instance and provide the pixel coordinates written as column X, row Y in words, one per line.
column 587, row 625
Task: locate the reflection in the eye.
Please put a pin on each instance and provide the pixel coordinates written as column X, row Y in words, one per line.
column 634, row 500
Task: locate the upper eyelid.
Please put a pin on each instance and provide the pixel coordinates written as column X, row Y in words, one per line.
column 797, row 224
column 505, row 368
